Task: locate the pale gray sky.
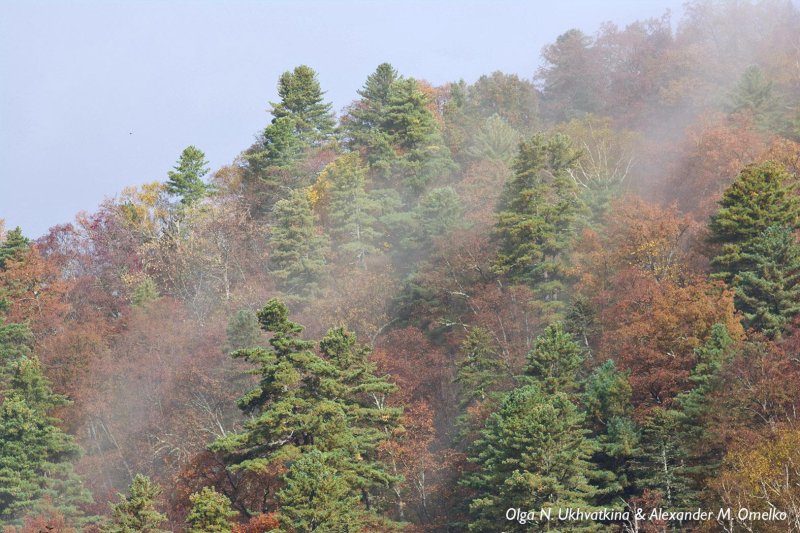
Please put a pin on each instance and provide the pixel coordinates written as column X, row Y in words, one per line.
column 79, row 76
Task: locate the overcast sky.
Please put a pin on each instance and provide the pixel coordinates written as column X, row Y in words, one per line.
column 79, row 77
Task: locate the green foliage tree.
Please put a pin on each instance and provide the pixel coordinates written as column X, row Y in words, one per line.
column 768, row 294
column 305, row 402
column 318, row 498
column 352, row 210
column 660, row 464
column 536, row 216
column 533, row 453
column 211, row 513
column 480, row 370
column 136, row 512
column 302, row 101
column 755, row 94
column 555, row 360
column 297, row 247
column 760, row 197
column 420, row 155
column 35, row 454
column 439, row 211
column 186, row 178
column 494, row 140
column 243, row 331
column 364, row 121
column 14, row 244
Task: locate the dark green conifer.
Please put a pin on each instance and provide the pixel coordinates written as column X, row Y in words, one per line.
column 186, row 179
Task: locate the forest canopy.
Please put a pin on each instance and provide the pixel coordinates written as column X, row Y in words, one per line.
column 576, row 288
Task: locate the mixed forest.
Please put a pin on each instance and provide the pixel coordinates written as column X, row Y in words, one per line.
column 576, row 289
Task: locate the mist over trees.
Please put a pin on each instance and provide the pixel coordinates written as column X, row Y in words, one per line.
column 578, row 287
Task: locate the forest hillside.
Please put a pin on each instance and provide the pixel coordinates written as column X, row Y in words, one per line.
column 577, row 289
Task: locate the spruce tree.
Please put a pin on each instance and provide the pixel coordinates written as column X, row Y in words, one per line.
column 243, row 331
column 480, row 370
column 420, row 153
column 536, row 216
column 755, row 94
column 186, row 178
column 364, row 121
column 768, row 293
column 302, row 101
column 136, row 512
column 317, row 497
column 211, row 513
column 35, row 454
column 297, row 258
column 554, row 361
column 761, row 197
column 533, row 453
column 303, row 402
column 12, row 247
column 352, row 210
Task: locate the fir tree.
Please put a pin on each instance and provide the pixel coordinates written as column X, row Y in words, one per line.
column 537, row 214
column 760, row 197
column 554, row 361
column 302, row 101
column 420, row 155
column 481, row 369
column 13, row 246
column 533, row 453
column 305, row 402
column 298, row 249
column 136, row 512
column 352, row 210
column 35, row 454
column 211, row 512
column 186, row 179
column 768, row 294
column 660, row 463
column 755, row 94
column 495, row 140
column 318, row 498
column 439, row 211
column 243, row 331
column 364, row 122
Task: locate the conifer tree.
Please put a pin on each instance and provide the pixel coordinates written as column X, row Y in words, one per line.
column 317, row 497
column 660, row 463
column 760, row 197
column 243, row 331
column 305, row 402
column 352, row 210
column 536, row 216
column 533, row 454
column 35, row 454
column 211, row 513
column 420, row 153
column 13, row 245
column 439, row 211
column 363, row 124
column 136, row 512
column 755, row 94
column 768, row 294
column 554, row 361
column 302, row 101
column 480, row 370
column 298, row 249
column 186, row 178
